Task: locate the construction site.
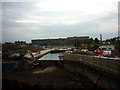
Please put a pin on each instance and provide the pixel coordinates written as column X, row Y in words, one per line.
column 75, row 67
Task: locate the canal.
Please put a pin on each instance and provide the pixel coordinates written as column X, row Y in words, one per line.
column 85, row 71
column 50, row 56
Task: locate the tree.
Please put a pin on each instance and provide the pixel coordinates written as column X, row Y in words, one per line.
column 91, row 41
column 96, row 40
column 77, row 43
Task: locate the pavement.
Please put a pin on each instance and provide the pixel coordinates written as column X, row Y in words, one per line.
column 116, row 58
column 37, row 54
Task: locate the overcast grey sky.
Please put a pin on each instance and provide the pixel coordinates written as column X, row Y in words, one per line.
column 59, row 18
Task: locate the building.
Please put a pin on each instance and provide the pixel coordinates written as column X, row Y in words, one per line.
column 69, row 41
column 107, row 47
column 52, row 42
column 80, row 38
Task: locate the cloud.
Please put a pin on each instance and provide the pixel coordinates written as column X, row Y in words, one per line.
column 51, row 19
column 85, row 7
column 22, row 0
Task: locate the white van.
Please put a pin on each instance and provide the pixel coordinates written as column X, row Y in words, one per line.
column 106, row 53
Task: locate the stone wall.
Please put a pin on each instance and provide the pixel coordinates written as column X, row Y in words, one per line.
column 106, row 64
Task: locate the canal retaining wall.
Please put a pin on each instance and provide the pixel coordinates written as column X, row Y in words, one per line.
column 108, row 65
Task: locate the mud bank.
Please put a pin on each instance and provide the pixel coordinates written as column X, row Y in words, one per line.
column 49, row 77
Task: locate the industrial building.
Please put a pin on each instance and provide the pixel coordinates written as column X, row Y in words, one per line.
column 69, row 41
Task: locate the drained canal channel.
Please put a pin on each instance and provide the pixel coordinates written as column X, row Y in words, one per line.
column 51, row 72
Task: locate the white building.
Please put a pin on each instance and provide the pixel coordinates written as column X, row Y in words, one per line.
column 107, row 47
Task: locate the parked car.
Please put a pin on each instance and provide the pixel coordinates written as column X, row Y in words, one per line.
column 98, row 52
column 84, row 51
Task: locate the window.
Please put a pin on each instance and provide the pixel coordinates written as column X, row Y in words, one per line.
column 103, row 48
column 110, row 48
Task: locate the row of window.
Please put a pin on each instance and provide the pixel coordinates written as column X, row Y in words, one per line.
column 106, row 48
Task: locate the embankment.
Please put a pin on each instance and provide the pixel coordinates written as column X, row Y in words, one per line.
column 109, row 65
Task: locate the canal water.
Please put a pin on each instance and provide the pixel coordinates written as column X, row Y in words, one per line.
column 50, row 56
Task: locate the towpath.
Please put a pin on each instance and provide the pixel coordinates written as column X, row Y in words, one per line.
column 43, row 52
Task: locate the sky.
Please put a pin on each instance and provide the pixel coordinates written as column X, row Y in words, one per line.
column 45, row 19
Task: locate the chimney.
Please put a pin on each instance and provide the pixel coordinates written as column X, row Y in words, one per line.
column 100, row 37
